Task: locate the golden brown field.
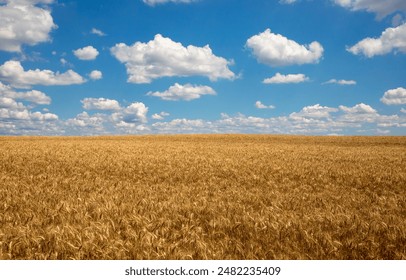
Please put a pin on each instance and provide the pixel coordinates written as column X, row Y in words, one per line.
column 203, row 197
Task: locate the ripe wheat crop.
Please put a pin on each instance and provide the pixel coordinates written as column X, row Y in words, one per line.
column 203, row 197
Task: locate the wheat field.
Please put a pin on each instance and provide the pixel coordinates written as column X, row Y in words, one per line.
column 203, row 197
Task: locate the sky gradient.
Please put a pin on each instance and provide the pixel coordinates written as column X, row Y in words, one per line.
column 321, row 67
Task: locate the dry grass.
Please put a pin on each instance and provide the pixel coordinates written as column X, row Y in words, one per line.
column 203, row 197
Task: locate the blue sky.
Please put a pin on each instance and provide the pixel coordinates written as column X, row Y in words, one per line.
column 322, row 67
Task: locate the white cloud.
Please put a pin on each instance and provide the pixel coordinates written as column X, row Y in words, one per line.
column 22, row 23
column 130, row 119
column 9, row 114
column 390, row 121
column 403, row 111
column 394, row 96
column 43, row 117
column 240, row 124
column 286, row 79
column 134, row 113
column 362, row 113
column 157, row 117
column 13, row 73
column 18, row 117
column 130, row 128
column 155, row 2
column 287, row 1
column 277, row 50
column 358, row 109
column 183, row 125
column 97, row 32
column 65, row 63
column 86, row 53
column 314, row 111
column 6, row 102
column 259, row 105
column 379, row 7
column 100, row 104
column 392, row 39
column 163, row 57
column 183, row 92
column 341, row 82
column 96, row 75
column 315, row 119
column 34, row 96
column 383, row 131
column 160, row 116
column 84, row 120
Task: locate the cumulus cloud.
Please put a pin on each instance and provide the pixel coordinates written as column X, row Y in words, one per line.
column 315, row 119
column 184, row 126
column 7, row 114
column 120, row 119
column 43, row 117
column 276, row 50
column 97, row 32
column 100, row 104
column 394, row 96
column 131, row 128
column 340, row 82
column 286, row 79
column 392, row 39
column 18, row 118
column 13, row 114
column 134, row 113
column 379, row 7
column 155, row 2
column 86, row 53
column 85, row 120
column 96, row 75
column 183, row 92
column 33, row 96
column 259, row 105
column 22, row 23
column 358, row 109
column 163, row 57
column 160, row 116
column 314, row 111
column 363, row 113
column 6, row 102
column 13, row 73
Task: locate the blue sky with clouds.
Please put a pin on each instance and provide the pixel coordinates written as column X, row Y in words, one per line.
column 322, row 67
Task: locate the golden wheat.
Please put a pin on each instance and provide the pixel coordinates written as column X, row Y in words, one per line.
column 203, row 197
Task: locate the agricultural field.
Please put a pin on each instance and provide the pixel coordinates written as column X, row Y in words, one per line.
column 203, row 197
